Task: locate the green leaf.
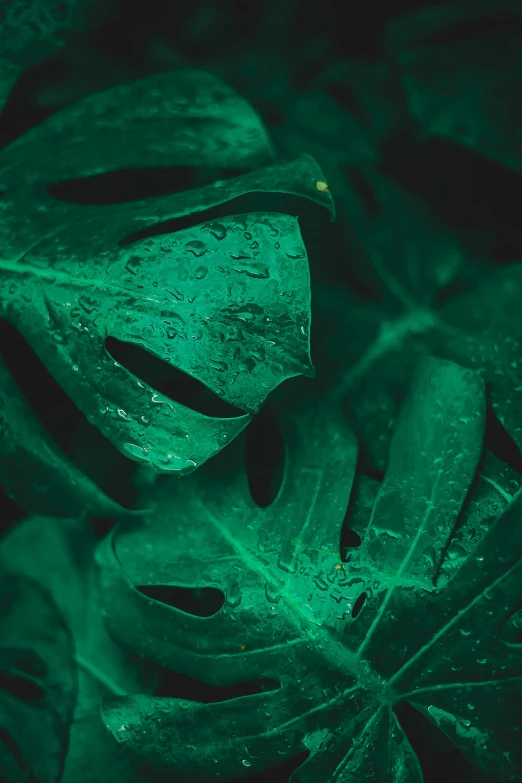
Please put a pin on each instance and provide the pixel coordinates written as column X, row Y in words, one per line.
column 185, row 117
column 34, row 470
column 412, row 291
column 461, row 86
column 32, row 30
column 58, row 554
column 73, row 275
column 346, row 642
column 38, row 679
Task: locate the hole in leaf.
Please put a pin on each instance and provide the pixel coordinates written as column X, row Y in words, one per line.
column 123, row 185
column 358, row 605
column 66, row 425
column 358, row 514
column 198, row 601
column 12, row 512
column 430, row 744
column 349, row 539
column 21, row 688
column 249, row 202
column 180, row 686
column 498, row 440
column 264, row 458
column 363, row 189
column 372, row 473
column 168, row 380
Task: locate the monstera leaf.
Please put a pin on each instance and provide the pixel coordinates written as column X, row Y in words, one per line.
column 226, row 301
column 413, row 290
column 58, row 555
column 445, row 56
column 32, row 466
column 38, row 682
column 329, row 647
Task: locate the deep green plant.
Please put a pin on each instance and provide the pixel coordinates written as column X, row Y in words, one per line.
column 358, row 619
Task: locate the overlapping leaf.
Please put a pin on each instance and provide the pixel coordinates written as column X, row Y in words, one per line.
column 460, row 69
column 226, row 302
column 58, row 555
column 38, row 682
column 338, row 645
column 33, row 467
column 414, row 291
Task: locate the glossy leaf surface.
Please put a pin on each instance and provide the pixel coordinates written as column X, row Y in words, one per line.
column 33, row 467
column 346, row 642
column 226, row 302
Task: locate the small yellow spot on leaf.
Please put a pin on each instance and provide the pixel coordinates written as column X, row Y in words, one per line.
column 242, row 646
column 321, row 186
column 339, row 567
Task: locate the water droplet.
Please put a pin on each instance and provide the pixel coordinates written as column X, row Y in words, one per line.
column 246, row 763
column 201, row 272
column 197, row 247
column 139, row 452
column 217, row 230
column 259, row 271
column 272, row 593
column 220, row 366
column 296, row 253
column 133, row 265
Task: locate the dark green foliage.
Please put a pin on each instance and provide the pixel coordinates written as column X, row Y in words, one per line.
column 334, row 594
column 225, row 301
column 38, row 682
column 344, row 643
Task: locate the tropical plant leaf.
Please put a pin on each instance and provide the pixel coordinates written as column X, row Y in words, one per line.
column 84, row 273
column 451, row 87
column 38, row 682
column 185, row 117
column 58, row 554
column 33, row 468
column 346, row 643
column 413, row 290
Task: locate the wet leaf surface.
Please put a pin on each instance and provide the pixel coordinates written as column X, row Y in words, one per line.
column 33, row 467
column 227, row 301
column 348, row 642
